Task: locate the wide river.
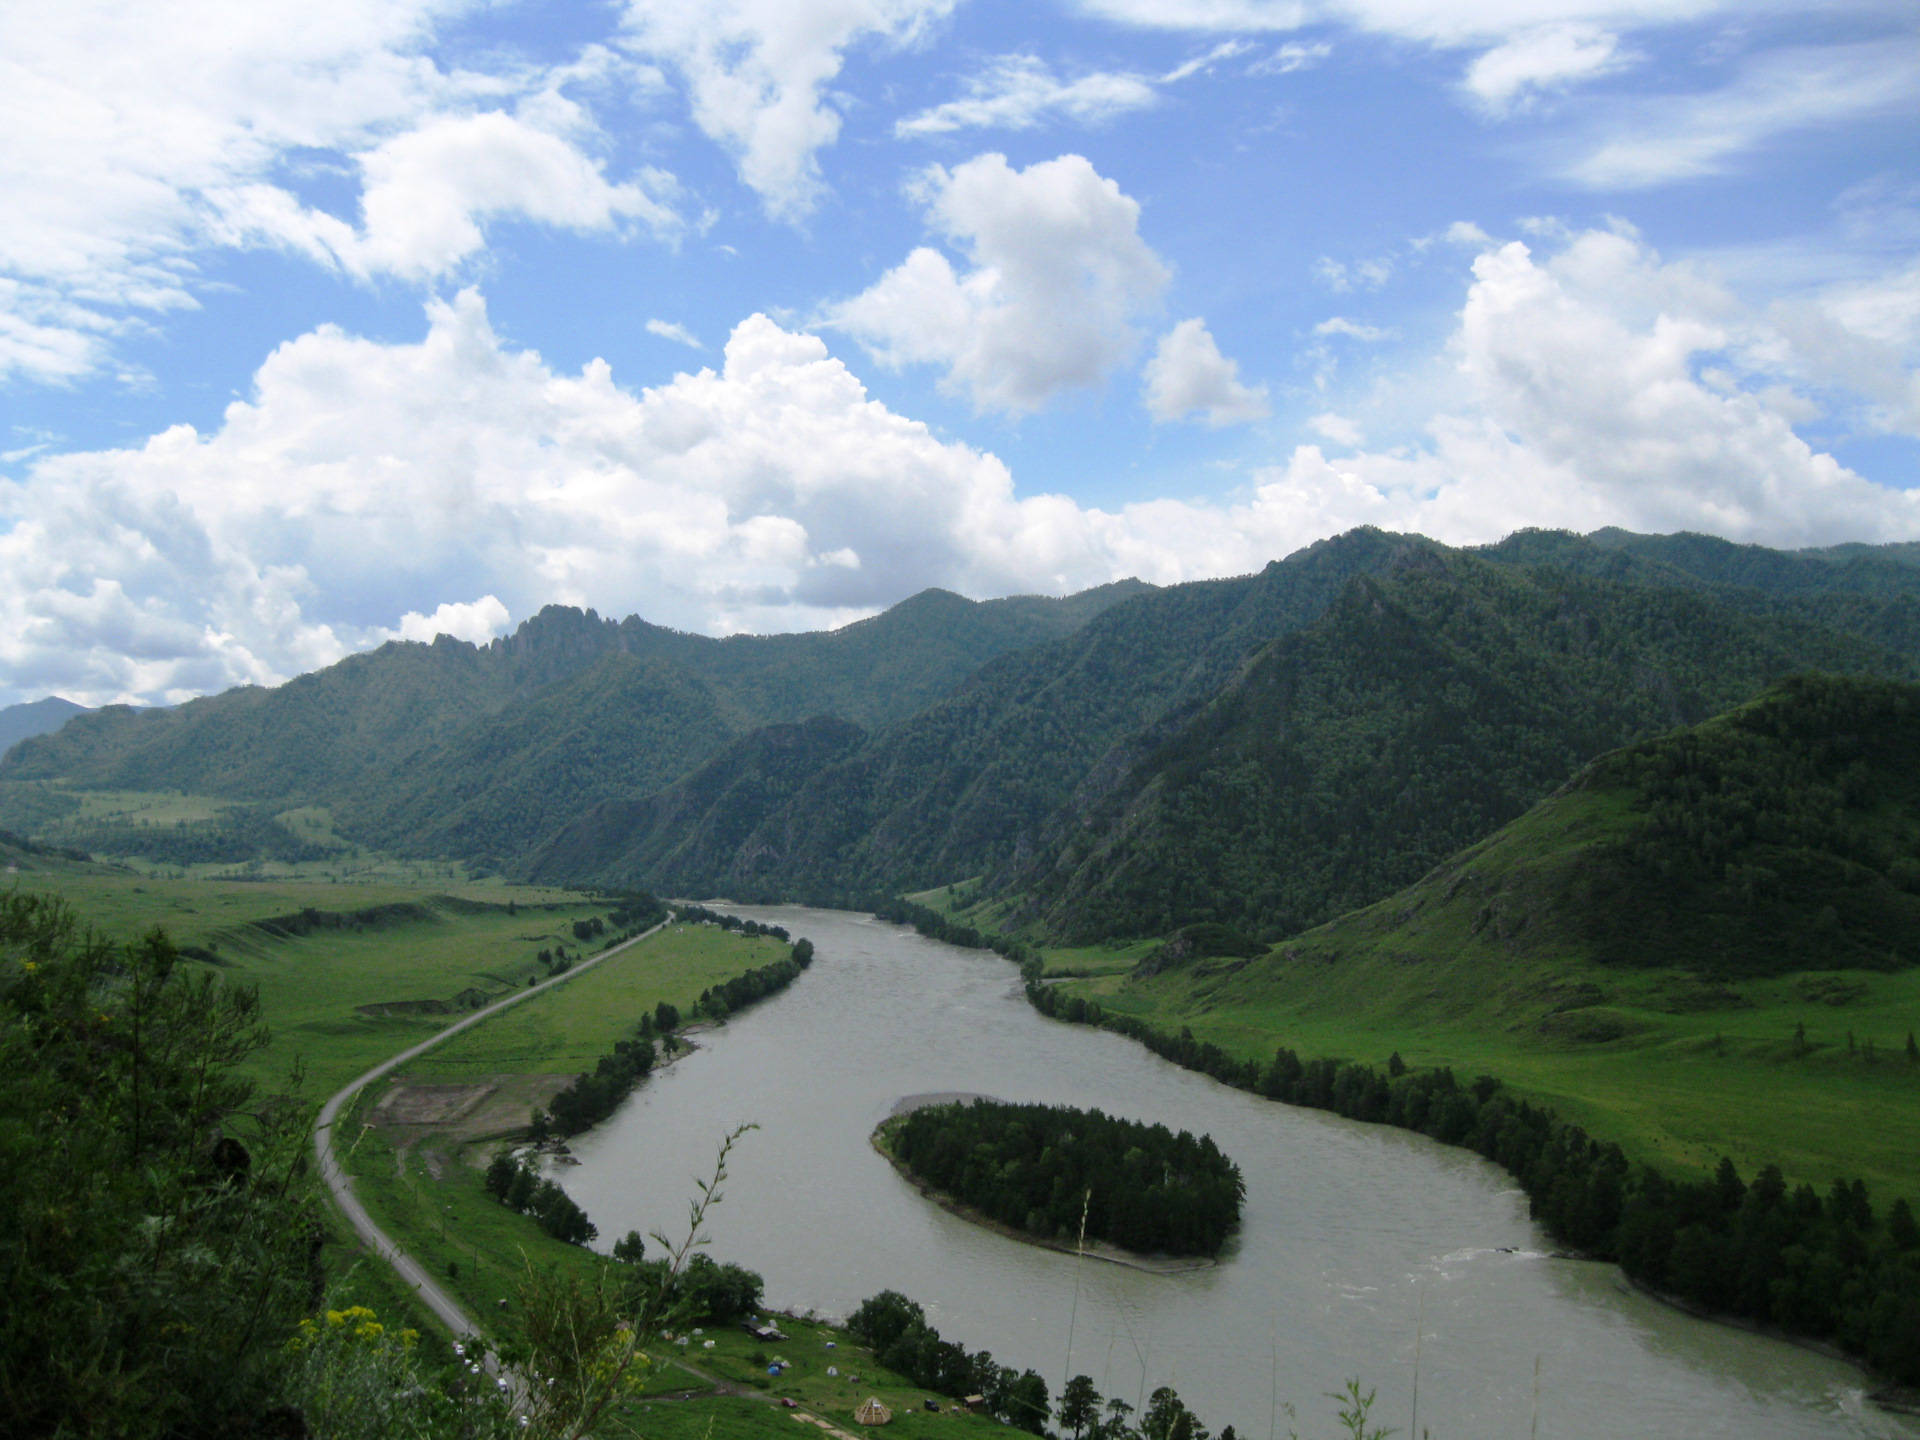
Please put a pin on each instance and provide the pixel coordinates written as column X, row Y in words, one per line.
column 1355, row 1238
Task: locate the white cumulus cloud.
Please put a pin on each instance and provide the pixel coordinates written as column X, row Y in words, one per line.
column 1058, row 272
column 135, row 138
column 368, row 489
column 476, row 622
column 1189, row 376
column 757, row 74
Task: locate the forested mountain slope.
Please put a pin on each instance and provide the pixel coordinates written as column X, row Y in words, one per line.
column 479, row 751
column 37, row 717
column 1781, row 837
column 1868, row 591
column 682, row 837
column 963, row 785
column 1145, row 773
column 1429, row 706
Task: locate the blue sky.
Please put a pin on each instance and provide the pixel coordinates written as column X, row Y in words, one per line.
column 320, row 328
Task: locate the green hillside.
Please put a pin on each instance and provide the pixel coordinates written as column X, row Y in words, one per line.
column 1267, row 751
column 681, row 837
column 1694, row 948
column 1429, row 706
column 479, row 752
column 955, row 789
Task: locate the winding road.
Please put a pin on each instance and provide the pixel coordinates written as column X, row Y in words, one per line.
column 341, row 1185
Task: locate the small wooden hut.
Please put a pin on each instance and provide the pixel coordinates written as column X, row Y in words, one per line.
column 873, row 1412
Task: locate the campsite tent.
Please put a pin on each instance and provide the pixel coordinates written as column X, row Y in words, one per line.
column 873, row 1412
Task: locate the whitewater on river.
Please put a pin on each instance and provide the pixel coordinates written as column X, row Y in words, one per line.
column 1354, row 1238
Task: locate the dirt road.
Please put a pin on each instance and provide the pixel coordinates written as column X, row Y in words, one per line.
column 341, row 1185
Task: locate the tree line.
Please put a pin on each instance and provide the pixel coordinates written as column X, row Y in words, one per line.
column 897, row 1330
column 522, row 1189
column 1827, row 1267
column 901, row 1339
column 588, row 1099
column 1043, row 1168
column 898, row 910
column 700, row 915
column 723, row 999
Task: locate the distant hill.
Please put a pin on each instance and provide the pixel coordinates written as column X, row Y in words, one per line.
column 682, row 837
column 1781, row 837
column 1429, row 706
column 36, row 717
column 1271, row 750
column 480, row 751
column 960, row 787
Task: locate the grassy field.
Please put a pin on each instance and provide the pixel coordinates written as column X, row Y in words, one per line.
column 1677, row 1070
column 566, row 1029
column 432, row 944
column 1682, row 1090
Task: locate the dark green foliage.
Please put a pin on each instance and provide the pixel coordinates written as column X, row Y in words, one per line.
column 700, row 915
column 373, row 917
column 1264, row 752
column 680, row 837
column 1034, row 1167
column 1821, row 1268
column 898, row 910
column 897, row 1330
column 720, row 1290
column 482, row 751
column 1783, row 836
column 636, row 910
column 741, row 991
column 1429, row 705
column 238, row 833
column 38, row 717
column 630, row 1248
column 158, row 1238
column 1201, row 941
column 952, row 790
column 520, row 1187
column 589, row 1099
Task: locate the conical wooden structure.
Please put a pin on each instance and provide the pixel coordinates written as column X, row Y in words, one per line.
column 873, row 1412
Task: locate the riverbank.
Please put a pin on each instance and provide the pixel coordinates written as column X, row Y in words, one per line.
column 1092, row 1250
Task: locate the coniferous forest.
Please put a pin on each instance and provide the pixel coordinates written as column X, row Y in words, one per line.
column 1036, row 1167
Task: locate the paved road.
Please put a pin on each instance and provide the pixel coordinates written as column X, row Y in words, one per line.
column 438, row 1300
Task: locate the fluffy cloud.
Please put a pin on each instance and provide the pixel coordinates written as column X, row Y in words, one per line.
column 1017, row 92
column 368, row 490
column 1607, row 387
column 1188, row 375
column 757, row 72
column 1507, row 77
column 1058, row 272
column 134, row 137
column 475, row 623
column 427, row 194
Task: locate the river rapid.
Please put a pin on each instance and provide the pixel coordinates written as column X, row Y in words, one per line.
column 1355, row 1239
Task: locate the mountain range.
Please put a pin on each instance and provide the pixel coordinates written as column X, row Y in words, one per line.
column 1268, row 751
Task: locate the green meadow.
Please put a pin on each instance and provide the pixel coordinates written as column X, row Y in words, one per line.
column 416, row 942
column 1808, row 1071
column 565, row 1029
